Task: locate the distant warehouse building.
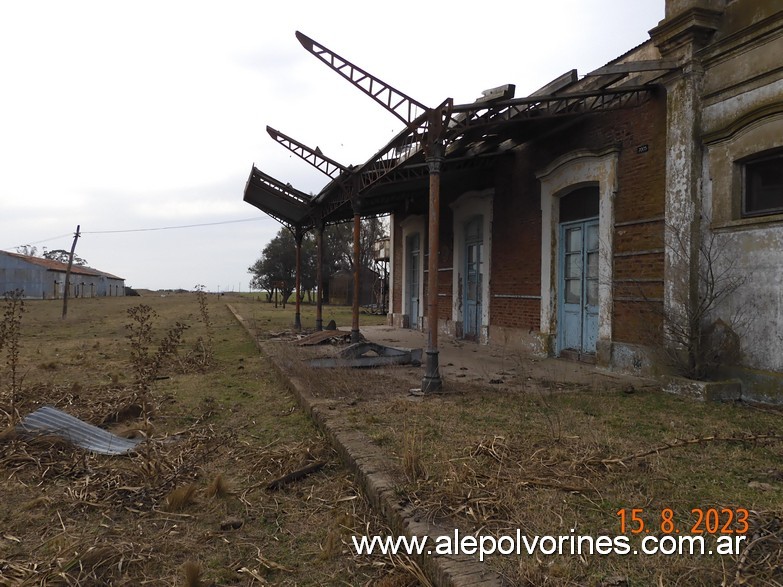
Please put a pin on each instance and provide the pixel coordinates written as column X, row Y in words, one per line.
column 44, row 279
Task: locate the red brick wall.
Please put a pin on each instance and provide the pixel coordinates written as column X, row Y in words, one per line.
column 516, row 245
column 516, row 230
column 639, row 257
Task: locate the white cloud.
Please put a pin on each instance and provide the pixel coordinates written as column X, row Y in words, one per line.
column 121, row 115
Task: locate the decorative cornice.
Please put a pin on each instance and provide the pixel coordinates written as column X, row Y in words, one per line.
column 572, row 156
column 740, row 124
column 743, row 40
column 692, row 27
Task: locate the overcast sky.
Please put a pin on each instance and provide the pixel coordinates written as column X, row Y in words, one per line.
column 121, row 116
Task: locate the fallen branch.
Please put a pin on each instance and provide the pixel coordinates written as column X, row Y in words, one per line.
column 680, row 443
column 748, row 567
column 553, row 485
column 296, row 475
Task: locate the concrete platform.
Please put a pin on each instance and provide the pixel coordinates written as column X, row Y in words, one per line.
column 470, row 362
column 460, row 361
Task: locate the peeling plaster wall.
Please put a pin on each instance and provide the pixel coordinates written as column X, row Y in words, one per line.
column 468, row 205
column 754, row 245
column 675, row 7
column 726, row 106
column 758, row 253
column 410, row 226
column 723, row 174
column 743, row 116
column 723, row 115
column 724, row 103
column 682, row 189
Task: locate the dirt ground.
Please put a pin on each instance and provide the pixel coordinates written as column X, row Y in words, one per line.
column 552, row 447
column 193, row 505
column 512, row 442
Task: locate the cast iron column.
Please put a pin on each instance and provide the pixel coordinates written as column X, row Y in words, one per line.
column 297, row 316
column 357, row 224
column 432, row 380
column 319, row 253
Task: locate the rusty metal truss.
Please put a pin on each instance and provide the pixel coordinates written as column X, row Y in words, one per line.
column 473, row 131
column 470, row 134
column 333, row 201
column 314, row 157
column 407, row 147
column 403, row 107
column 404, row 147
column 479, row 120
column 471, row 116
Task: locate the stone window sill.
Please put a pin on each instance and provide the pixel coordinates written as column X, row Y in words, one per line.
column 748, row 223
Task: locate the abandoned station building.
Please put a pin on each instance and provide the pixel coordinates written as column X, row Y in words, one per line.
column 44, row 279
column 611, row 216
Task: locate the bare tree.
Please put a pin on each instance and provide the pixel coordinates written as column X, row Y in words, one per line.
column 701, row 281
column 27, row 250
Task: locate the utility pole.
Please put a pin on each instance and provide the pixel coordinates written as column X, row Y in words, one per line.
column 68, row 272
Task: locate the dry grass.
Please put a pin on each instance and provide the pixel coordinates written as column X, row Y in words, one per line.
column 190, row 506
column 545, row 456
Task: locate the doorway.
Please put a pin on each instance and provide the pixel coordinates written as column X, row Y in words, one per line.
column 413, row 247
column 578, row 279
column 474, row 261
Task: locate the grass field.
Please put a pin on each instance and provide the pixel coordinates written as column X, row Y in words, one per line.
column 191, row 507
column 559, row 460
column 536, row 455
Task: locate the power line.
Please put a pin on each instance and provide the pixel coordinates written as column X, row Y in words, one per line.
column 46, row 240
column 170, row 227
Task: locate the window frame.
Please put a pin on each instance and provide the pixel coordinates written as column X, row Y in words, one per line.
column 776, row 154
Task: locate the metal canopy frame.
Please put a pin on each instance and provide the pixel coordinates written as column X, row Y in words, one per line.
column 439, row 144
column 402, row 106
column 289, row 206
column 474, row 134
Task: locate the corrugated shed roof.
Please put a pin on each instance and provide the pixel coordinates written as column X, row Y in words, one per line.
column 51, row 265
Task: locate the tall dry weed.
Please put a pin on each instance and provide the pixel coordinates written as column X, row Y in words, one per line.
column 204, row 344
column 146, row 363
column 10, row 342
column 412, row 450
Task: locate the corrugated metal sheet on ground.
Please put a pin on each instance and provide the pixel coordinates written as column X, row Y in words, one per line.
column 49, row 420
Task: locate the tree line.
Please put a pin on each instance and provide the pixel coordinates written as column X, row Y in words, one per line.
column 59, row 255
column 277, row 263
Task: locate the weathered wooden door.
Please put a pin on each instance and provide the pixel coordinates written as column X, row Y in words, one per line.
column 414, row 254
column 578, row 288
column 474, row 252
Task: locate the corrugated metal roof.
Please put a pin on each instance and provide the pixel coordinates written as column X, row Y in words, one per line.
column 51, row 421
column 51, row 265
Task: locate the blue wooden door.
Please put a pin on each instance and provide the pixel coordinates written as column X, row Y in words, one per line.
column 578, row 295
column 412, row 293
column 474, row 252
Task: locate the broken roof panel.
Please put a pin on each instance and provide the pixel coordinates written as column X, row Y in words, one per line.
column 51, row 421
column 281, row 201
